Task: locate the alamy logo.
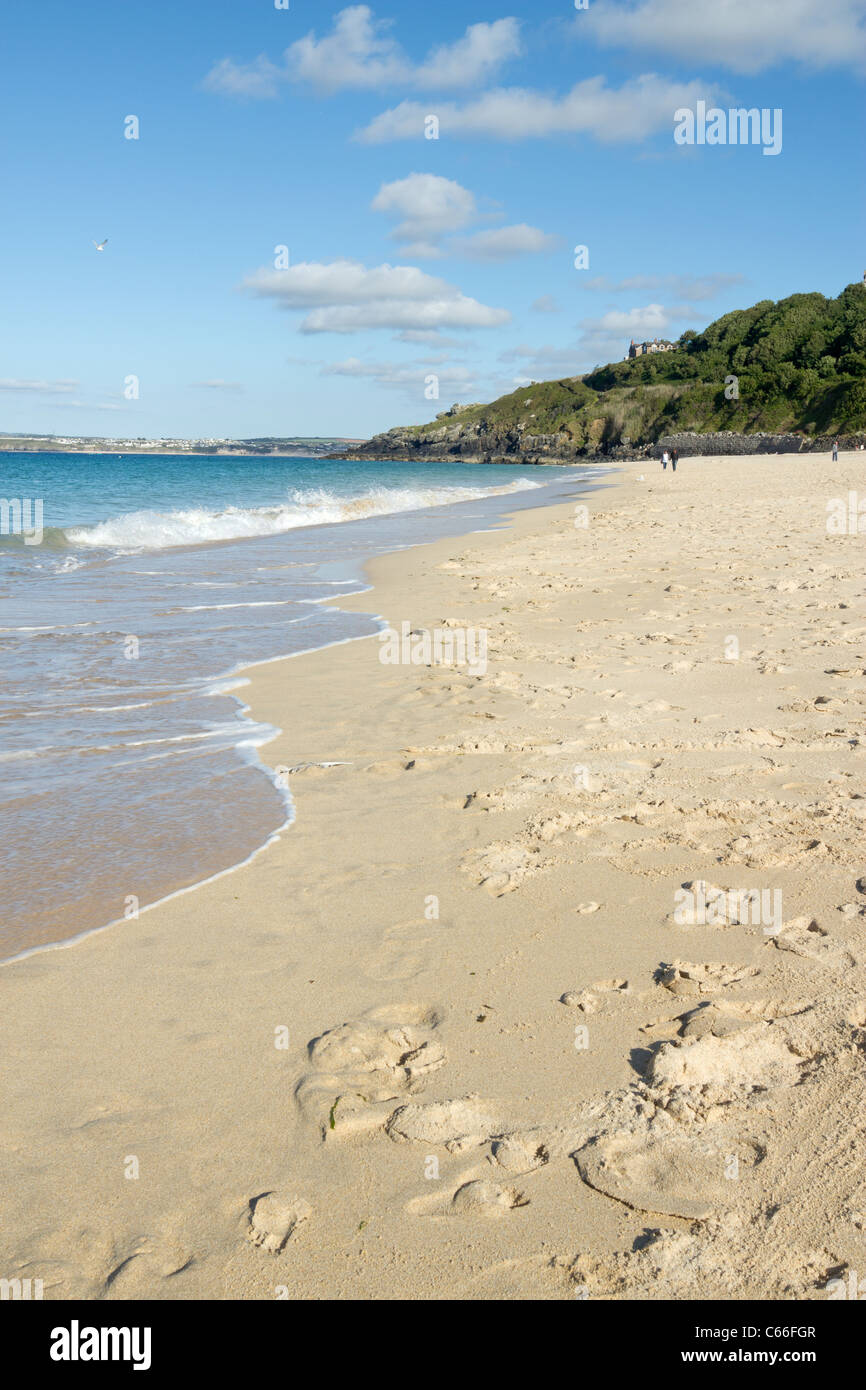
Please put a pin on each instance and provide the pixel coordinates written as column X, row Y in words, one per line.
column 76, row 1343
column 850, row 1288
column 699, row 904
column 444, row 646
column 846, row 519
column 22, row 516
column 20, row 1290
column 736, row 126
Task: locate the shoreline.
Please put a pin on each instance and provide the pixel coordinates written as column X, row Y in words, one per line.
column 240, row 675
column 462, row 790
column 242, row 680
column 104, row 898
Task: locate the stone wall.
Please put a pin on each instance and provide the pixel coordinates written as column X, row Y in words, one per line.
column 726, row 442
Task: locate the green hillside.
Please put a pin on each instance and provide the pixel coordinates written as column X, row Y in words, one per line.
column 800, row 365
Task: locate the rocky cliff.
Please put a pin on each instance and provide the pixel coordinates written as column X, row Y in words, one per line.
column 774, row 378
column 473, row 443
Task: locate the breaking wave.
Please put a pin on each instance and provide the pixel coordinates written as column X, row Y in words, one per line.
column 150, row 530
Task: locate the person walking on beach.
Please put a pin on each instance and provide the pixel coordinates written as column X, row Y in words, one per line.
column 835, row 451
column 675, row 453
column 665, row 459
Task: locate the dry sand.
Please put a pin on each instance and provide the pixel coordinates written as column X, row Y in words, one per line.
column 455, row 1034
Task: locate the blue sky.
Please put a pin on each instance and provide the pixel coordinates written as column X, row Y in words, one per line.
column 409, row 258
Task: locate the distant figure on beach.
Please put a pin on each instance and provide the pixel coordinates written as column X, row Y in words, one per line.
column 835, row 450
column 665, row 457
column 675, row 453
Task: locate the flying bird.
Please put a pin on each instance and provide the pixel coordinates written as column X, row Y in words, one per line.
column 101, row 245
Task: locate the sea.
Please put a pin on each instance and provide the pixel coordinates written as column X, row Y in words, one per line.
column 135, row 591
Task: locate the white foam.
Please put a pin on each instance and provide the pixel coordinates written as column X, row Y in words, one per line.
column 150, row 530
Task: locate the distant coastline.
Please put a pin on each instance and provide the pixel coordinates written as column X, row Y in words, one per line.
column 290, row 447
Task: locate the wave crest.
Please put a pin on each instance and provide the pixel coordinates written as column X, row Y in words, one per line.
column 151, row 530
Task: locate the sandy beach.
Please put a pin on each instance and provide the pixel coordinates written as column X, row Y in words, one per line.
column 481, row 1023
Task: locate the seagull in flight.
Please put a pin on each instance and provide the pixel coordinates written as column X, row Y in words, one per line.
column 101, row 245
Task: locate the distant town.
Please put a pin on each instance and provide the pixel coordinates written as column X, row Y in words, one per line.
column 296, row 446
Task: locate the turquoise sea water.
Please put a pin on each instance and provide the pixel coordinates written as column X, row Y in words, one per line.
column 128, row 762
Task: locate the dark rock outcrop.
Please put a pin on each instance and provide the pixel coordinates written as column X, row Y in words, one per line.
column 473, row 442
column 469, row 443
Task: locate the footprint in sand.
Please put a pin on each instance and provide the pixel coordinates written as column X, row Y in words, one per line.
column 698, row 1265
column 804, row 937
column 485, row 1198
column 690, row 1077
column 721, row 1017
column 684, row 978
column 666, row 1146
column 464, row 1123
column 670, row 1175
column 588, row 1000
column 273, row 1217
column 456, row 1124
column 828, row 704
column 95, row 1262
column 477, row 1197
column 403, row 952
column 503, row 867
column 356, row 1069
column 521, row 1152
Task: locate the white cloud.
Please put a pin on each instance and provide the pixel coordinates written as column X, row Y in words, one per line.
column 648, row 321
column 545, row 363
column 545, row 304
column 360, row 53
column 218, row 385
column 411, row 378
column 451, row 311
column 259, row 79
column 345, row 297
column 429, row 206
column 357, row 53
column 472, row 59
column 693, row 288
column 501, row 243
column 631, row 112
column 48, row 388
column 84, row 405
column 429, row 335
column 606, row 339
column 601, row 341
column 316, row 283
column 744, row 35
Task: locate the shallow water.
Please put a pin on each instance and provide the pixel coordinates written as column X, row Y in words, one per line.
column 129, row 764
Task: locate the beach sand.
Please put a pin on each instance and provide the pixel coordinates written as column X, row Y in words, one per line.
column 461, row 1032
